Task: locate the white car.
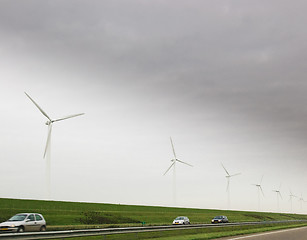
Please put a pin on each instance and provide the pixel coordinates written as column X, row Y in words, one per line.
column 24, row 222
column 181, row 220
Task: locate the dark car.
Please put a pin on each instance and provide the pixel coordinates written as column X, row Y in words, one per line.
column 220, row 219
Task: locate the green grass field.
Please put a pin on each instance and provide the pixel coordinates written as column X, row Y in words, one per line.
column 73, row 215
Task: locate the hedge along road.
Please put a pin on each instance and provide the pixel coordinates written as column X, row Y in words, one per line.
column 286, row 234
column 109, row 231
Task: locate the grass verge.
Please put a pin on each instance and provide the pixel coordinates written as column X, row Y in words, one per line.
column 196, row 234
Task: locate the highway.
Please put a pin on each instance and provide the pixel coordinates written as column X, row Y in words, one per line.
column 285, row 234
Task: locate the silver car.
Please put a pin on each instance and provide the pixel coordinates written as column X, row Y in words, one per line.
column 219, row 219
column 181, row 220
column 24, row 222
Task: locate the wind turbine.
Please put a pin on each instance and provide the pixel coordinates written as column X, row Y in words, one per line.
column 259, row 189
column 173, row 165
column 228, row 176
column 291, row 196
column 48, row 142
column 278, row 195
column 301, row 200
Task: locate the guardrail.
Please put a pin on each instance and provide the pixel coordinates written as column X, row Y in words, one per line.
column 109, row 231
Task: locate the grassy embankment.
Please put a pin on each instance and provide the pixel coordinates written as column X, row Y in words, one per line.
column 75, row 215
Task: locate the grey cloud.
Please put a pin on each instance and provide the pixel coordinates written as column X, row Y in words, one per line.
column 211, row 71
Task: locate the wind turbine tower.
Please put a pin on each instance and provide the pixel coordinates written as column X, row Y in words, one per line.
column 47, row 153
column 228, row 176
column 173, row 165
column 259, row 188
column 278, row 195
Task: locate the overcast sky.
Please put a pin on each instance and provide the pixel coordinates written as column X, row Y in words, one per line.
column 225, row 79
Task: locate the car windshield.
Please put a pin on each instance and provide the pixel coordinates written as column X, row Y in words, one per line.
column 218, row 217
column 18, row 217
column 179, row 218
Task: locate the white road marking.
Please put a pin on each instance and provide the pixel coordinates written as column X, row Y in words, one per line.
column 267, row 233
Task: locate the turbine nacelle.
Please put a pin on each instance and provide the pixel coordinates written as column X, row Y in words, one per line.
column 278, row 194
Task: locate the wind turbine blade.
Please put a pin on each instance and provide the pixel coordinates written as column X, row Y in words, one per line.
column 173, row 148
column 48, row 138
column 280, row 195
column 169, row 168
column 261, row 190
column 261, row 180
column 39, row 108
column 183, row 162
column 234, row 175
column 70, row 116
column 225, row 169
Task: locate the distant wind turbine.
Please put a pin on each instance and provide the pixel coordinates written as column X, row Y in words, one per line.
column 48, row 142
column 291, row 196
column 173, row 165
column 228, row 176
column 301, row 200
column 259, row 188
column 278, row 195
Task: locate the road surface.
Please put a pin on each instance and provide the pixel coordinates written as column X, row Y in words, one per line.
column 285, row 234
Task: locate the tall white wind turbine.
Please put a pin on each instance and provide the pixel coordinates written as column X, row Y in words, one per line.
column 228, row 176
column 278, row 195
column 173, row 165
column 291, row 195
column 48, row 142
column 259, row 188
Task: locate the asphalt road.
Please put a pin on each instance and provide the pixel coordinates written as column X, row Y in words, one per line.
column 286, row 234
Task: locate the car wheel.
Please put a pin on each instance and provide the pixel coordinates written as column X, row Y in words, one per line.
column 20, row 229
column 42, row 229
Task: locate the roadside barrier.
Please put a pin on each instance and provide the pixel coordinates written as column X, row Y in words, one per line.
column 109, row 231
